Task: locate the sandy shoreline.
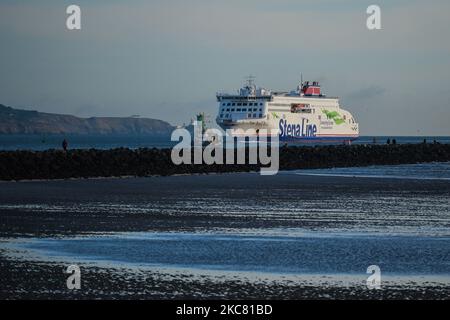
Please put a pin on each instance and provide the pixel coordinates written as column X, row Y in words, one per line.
column 47, row 280
column 81, row 207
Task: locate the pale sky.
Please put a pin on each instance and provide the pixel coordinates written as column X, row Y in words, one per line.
column 166, row 59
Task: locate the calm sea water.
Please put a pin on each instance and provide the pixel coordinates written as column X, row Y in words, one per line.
column 428, row 171
column 396, row 217
column 43, row 142
column 298, row 253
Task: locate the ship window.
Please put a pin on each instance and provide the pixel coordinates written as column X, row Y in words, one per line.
column 244, row 109
column 254, row 115
column 249, row 115
column 238, row 109
column 228, row 109
column 233, row 104
column 244, row 104
column 260, row 115
column 221, row 115
column 260, row 103
column 232, row 110
column 228, row 104
column 223, row 104
column 239, row 104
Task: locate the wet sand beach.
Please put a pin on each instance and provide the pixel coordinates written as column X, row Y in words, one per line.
column 410, row 215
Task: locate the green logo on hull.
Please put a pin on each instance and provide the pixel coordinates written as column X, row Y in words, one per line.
column 334, row 115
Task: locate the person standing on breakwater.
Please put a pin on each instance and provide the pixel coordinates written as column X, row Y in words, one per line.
column 65, row 144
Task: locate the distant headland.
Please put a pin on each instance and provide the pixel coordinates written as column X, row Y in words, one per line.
column 17, row 121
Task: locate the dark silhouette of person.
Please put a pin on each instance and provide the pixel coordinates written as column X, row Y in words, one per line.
column 388, row 141
column 65, row 144
column 394, row 141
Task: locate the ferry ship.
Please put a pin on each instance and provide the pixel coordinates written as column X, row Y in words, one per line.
column 303, row 115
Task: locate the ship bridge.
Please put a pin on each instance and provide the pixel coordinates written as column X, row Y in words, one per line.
column 252, row 103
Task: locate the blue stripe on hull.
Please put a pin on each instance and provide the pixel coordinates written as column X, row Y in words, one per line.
column 318, row 139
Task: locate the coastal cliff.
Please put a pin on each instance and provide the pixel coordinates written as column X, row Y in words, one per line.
column 16, row 121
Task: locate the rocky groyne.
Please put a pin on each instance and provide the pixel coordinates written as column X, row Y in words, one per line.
column 58, row 164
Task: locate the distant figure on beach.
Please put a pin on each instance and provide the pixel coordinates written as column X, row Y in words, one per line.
column 65, row 144
column 394, row 141
column 424, row 141
column 388, row 141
